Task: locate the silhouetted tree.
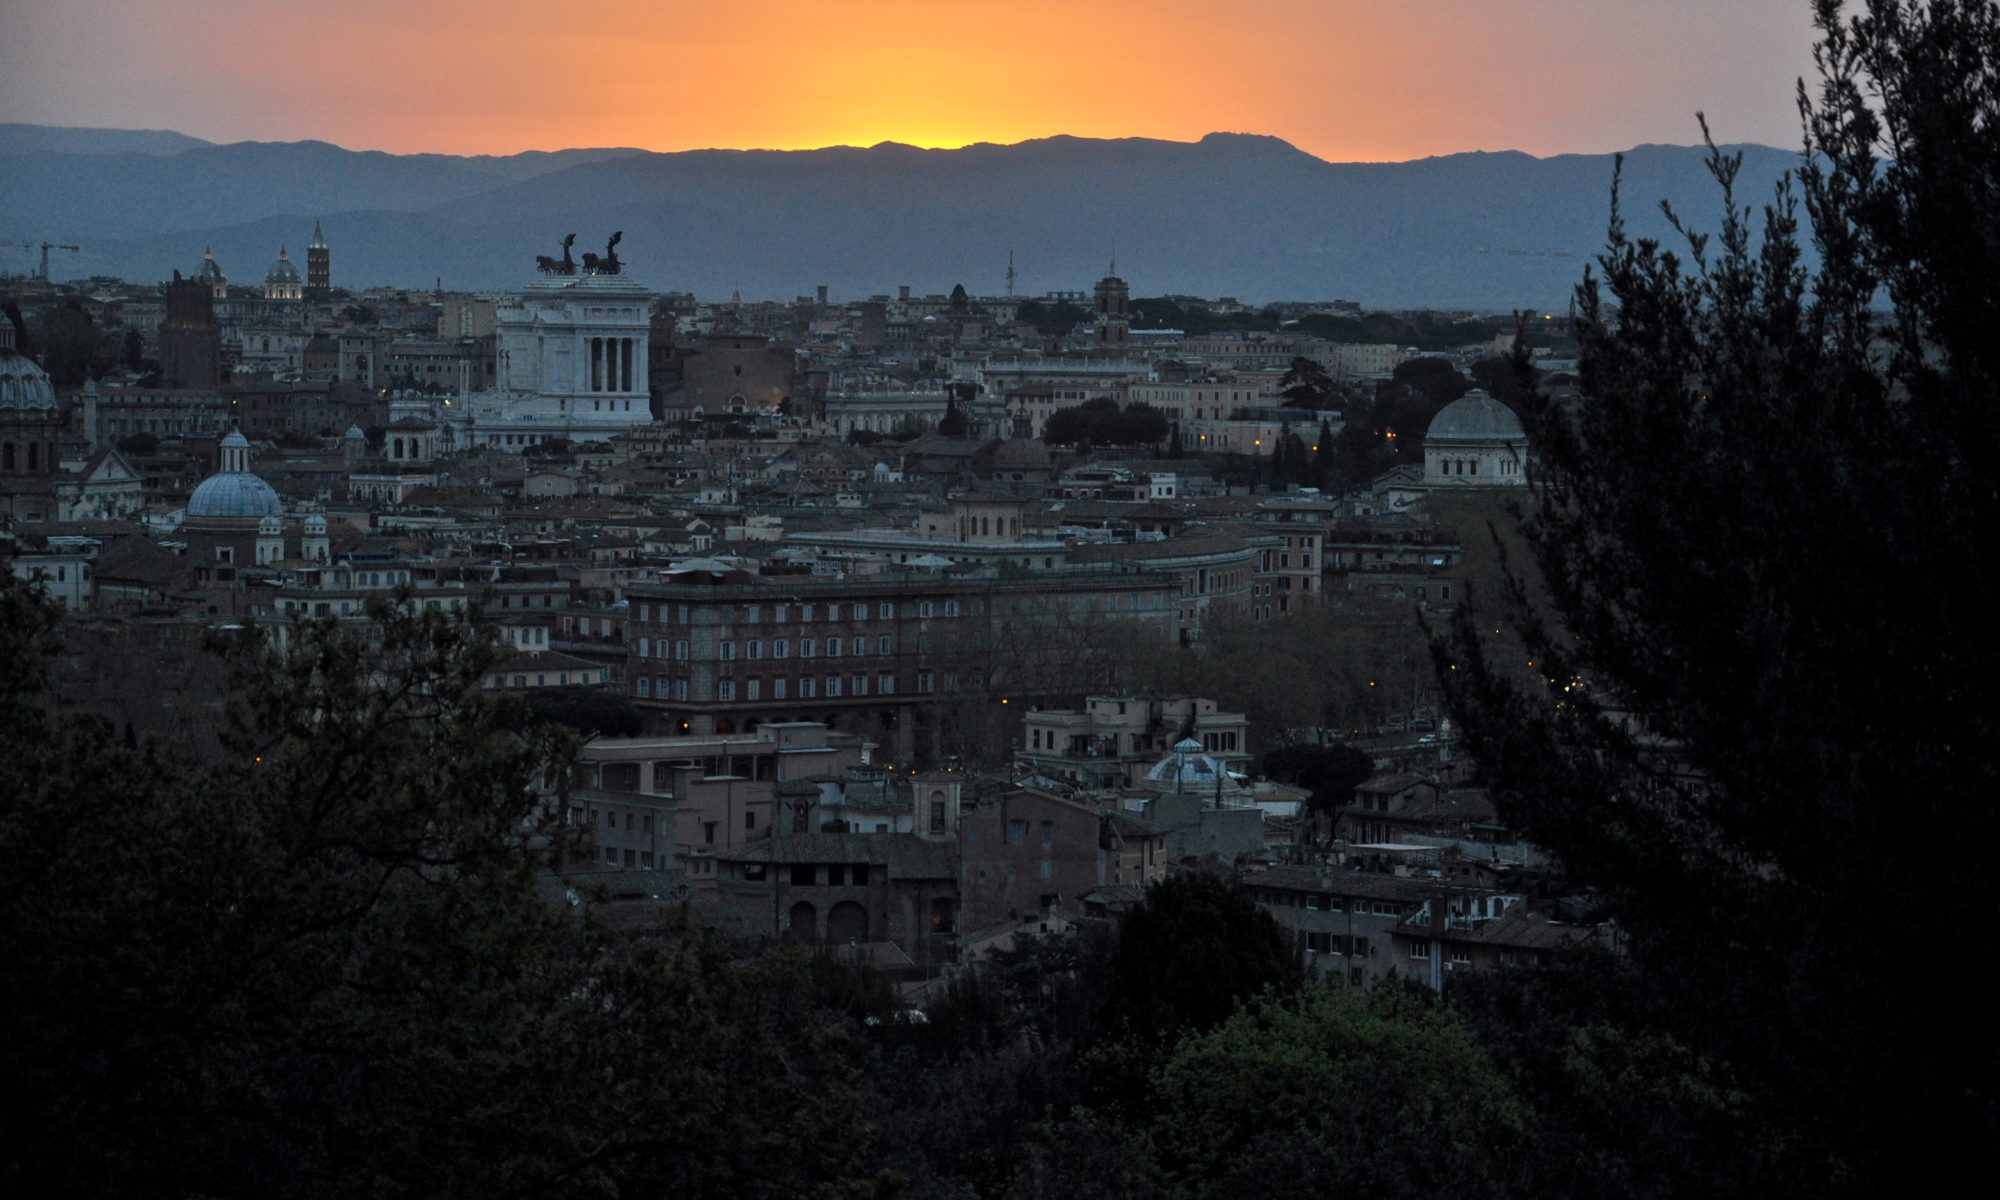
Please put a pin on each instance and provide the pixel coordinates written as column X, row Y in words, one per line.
column 1767, row 682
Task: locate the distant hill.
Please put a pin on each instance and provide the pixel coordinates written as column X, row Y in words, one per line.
column 1231, row 214
column 24, row 139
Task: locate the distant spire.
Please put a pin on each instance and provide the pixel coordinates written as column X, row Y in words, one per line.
column 1114, row 258
column 319, row 240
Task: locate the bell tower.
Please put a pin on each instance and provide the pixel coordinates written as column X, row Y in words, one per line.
column 319, row 268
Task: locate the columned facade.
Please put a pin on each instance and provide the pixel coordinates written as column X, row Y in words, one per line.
column 572, row 364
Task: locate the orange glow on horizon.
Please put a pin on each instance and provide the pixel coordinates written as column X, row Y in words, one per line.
column 1343, row 80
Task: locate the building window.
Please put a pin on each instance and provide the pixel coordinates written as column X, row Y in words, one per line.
column 753, row 648
column 778, row 688
column 951, row 608
column 833, row 647
column 1048, row 833
column 832, row 686
column 753, row 689
column 1017, row 833
column 727, row 651
column 808, row 687
column 860, row 685
column 1420, row 948
column 884, row 644
column 781, row 648
column 885, row 684
column 725, row 690
column 926, row 682
column 923, row 608
column 808, row 648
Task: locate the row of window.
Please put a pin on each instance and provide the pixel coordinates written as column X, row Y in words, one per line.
column 1328, row 902
column 753, row 649
column 1334, row 943
column 782, row 687
column 755, row 614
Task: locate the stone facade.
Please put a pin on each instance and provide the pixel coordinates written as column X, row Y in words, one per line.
column 572, row 364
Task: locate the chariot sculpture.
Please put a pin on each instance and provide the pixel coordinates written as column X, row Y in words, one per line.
column 559, row 266
column 608, row 264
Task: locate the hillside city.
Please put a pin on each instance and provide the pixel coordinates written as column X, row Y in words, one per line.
column 899, row 624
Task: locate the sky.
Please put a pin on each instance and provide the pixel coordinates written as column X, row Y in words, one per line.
column 1347, row 80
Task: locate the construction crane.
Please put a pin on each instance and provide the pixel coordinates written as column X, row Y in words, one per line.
column 44, row 247
column 48, row 246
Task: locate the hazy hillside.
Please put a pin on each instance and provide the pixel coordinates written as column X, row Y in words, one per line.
column 1231, row 214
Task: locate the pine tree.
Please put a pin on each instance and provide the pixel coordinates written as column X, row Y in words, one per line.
column 1760, row 711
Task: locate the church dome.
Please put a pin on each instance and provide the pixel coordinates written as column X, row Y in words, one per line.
column 1021, row 454
column 209, row 271
column 24, row 385
column 1475, row 417
column 233, row 493
column 282, row 271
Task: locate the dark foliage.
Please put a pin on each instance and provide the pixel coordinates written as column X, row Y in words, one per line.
column 1767, row 687
column 1191, row 953
column 1101, row 422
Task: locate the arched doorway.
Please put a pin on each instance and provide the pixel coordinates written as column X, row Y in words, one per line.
column 804, row 926
column 846, row 922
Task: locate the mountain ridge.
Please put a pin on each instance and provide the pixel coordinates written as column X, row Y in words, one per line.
column 1248, row 215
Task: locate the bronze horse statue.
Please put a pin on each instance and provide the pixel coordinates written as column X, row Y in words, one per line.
column 607, row 265
column 559, row 266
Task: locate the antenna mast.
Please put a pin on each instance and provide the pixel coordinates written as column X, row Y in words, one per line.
column 1010, row 274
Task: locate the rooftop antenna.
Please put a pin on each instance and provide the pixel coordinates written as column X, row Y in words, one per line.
column 1114, row 258
column 1010, row 274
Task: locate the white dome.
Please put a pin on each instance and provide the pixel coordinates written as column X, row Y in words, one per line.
column 1189, row 769
column 23, row 383
column 236, row 494
column 1475, row 417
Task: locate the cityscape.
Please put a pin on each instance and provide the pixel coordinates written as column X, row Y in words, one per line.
column 493, row 707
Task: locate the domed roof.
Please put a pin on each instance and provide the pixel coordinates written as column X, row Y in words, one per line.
column 23, row 383
column 209, row 271
column 1475, row 417
column 1189, row 768
column 233, row 493
column 354, row 434
column 237, row 494
column 282, row 271
column 1021, row 454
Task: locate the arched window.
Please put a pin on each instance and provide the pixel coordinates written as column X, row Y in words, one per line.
column 34, row 456
column 6, row 456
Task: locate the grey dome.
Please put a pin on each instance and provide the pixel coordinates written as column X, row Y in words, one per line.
column 235, row 494
column 209, row 271
column 1021, row 454
column 1188, row 768
column 282, row 271
column 1475, row 417
column 23, row 383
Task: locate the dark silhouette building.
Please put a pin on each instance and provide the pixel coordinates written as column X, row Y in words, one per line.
column 319, row 268
column 190, row 340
